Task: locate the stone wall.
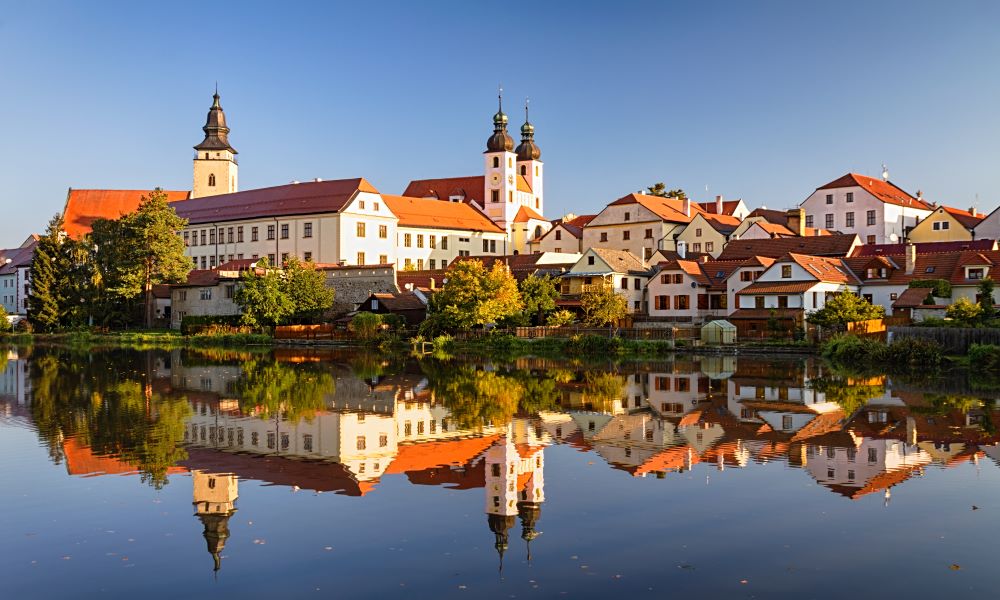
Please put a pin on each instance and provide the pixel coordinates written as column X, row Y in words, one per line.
column 354, row 285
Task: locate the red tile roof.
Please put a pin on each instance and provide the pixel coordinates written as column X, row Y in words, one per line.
column 966, row 218
column 883, row 190
column 400, row 301
column 830, row 270
column 821, row 245
column 422, row 279
column 471, row 188
column 765, row 313
column 424, row 212
column 775, row 287
column 668, row 209
column 305, row 198
column 83, row 207
column 911, row 298
column 456, row 452
column 924, row 248
column 728, row 206
column 574, row 227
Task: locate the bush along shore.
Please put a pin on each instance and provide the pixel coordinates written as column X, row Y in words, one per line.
column 871, row 355
column 141, row 339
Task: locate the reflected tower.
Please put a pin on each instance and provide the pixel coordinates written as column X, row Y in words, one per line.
column 214, row 503
column 514, row 485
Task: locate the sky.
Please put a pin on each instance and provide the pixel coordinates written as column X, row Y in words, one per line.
column 760, row 100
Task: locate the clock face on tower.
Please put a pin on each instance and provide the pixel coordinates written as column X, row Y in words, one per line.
column 495, row 179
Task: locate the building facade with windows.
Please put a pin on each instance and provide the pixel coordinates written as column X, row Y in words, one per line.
column 639, row 224
column 878, row 211
column 605, row 268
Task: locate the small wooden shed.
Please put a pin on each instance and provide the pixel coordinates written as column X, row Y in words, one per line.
column 718, row 332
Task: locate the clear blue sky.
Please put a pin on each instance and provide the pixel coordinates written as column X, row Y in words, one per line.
column 759, row 100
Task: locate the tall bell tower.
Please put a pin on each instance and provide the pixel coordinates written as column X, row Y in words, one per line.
column 500, row 171
column 215, row 168
column 529, row 164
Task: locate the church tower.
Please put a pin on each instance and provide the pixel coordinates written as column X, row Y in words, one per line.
column 214, row 503
column 215, row 167
column 500, row 171
column 529, row 164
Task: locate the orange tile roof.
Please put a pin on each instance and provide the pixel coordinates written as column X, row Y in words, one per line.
column 523, row 185
column 424, row 212
column 421, row 456
column 525, row 213
column 830, row 270
column 83, row 207
column 668, row 209
column 673, row 458
column 911, row 298
column 81, row 460
column 722, row 223
column 883, row 190
column 471, row 188
column 771, row 287
column 966, row 218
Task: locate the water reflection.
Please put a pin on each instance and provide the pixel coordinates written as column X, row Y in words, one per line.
column 343, row 422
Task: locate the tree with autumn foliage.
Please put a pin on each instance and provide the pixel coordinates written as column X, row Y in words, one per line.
column 474, row 296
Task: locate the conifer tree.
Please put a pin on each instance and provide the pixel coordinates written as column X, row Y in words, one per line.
column 46, row 302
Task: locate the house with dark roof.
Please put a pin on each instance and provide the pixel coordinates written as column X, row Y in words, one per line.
column 877, row 210
column 15, row 277
column 409, row 304
column 620, row 270
column 835, row 246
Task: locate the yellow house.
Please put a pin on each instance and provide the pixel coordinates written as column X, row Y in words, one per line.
column 946, row 224
column 708, row 233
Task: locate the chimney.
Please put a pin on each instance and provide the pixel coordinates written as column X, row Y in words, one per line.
column 703, row 258
column 911, row 258
column 797, row 221
column 682, row 249
column 432, row 283
column 687, row 207
column 972, row 211
column 718, row 205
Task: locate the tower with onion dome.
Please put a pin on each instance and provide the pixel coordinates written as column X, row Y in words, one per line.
column 215, row 168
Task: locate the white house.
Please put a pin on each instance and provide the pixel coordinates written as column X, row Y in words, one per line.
column 878, row 211
column 639, row 224
column 15, row 277
column 566, row 235
column 621, row 270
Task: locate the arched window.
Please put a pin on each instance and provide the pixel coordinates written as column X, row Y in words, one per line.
column 538, row 231
column 496, row 162
column 524, row 170
column 211, row 180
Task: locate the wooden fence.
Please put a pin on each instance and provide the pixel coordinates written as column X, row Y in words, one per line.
column 310, row 332
column 954, row 340
column 876, row 327
column 630, row 333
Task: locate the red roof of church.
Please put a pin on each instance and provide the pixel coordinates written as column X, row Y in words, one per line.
column 83, row 207
column 423, row 212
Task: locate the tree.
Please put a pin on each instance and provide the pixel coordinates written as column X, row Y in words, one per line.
column 539, row 296
column 560, row 318
column 306, row 287
column 46, row 304
column 660, row 189
column 262, row 298
column 5, row 324
column 964, row 310
column 603, row 306
column 474, row 296
column 152, row 252
column 986, row 299
column 845, row 308
column 366, row 325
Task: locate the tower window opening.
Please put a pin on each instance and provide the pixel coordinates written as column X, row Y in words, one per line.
column 496, row 162
column 211, row 180
column 524, row 170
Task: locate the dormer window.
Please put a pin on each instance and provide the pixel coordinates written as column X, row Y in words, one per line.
column 929, row 270
column 590, row 260
column 975, row 273
column 786, row 271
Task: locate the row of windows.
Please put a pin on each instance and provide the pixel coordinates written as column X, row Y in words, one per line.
column 419, row 263
column 432, row 240
column 849, row 197
column 234, row 235
column 871, row 218
column 626, row 235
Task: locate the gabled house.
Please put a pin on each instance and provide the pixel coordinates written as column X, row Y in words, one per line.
column 708, row 233
column 732, row 208
column 946, row 224
column 989, row 227
column 697, row 291
column 877, row 210
column 409, row 304
column 566, row 235
column 15, row 276
column 603, row 267
column 639, row 224
column 793, row 286
column 766, row 224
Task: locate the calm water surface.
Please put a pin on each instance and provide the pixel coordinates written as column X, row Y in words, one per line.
column 345, row 474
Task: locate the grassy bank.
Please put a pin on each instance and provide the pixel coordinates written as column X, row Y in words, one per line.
column 139, row 339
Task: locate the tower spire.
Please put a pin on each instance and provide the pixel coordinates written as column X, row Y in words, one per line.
column 528, row 149
column 216, row 131
column 500, row 141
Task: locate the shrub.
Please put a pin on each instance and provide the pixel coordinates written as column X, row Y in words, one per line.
column 366, row 325
column 560, row 318
column 984, row 357
column 5, row 324
column 939, row 287
column 194, row 324
column 904, row 354
column 965, row 311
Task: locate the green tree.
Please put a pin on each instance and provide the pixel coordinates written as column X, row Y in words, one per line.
column 986, row 299
column 603, row 306
column 46, row 304
column 366, row 325
column 151, row 251
column 474, row 296
column 843, row 309
column 560, row 318
column 306, row 287
column 660, row 189
column 262, row 298
column 964, row 310
column 5, row 325
column 539, row 295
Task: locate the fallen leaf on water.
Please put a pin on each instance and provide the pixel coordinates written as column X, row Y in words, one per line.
column 956, row 567
column 743, row 581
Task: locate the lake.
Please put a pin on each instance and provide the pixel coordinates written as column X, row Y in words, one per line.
column 319, row 473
